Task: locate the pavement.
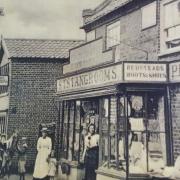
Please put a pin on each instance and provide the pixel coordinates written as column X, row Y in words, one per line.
column 16, row 177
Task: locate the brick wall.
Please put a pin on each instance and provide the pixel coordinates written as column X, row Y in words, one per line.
column 132, row 33
column 175, row 106
column 32, row 98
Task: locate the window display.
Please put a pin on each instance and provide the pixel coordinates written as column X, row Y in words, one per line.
column 131, row 129
column 77, row 117
column 147, row 150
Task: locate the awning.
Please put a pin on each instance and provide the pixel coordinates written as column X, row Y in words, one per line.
column 87, row 94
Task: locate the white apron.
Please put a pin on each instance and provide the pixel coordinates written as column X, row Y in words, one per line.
column 41, row 165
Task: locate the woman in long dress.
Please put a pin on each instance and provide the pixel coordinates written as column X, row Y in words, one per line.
column 44, row 146
column 91, row 153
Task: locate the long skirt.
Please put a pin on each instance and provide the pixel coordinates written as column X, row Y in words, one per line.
column 91, row 163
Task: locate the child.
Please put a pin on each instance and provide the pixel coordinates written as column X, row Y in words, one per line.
column 22, row 149
column 52, row 166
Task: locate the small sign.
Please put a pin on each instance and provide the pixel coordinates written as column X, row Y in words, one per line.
column 95, row 78
column 174, row 72
column 3, row 80
column 145, row 72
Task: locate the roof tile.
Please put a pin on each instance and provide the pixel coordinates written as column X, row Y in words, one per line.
column 40, row 48
column 110, row 6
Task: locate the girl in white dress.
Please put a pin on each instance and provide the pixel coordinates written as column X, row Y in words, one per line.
column 52, row 166
column 44, row 146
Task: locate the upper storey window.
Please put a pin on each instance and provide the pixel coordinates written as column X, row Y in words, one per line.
column 172, row 24
column 113, row 34
column 149, row 15
column 90, row 36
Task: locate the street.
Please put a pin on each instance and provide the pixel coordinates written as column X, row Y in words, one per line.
column 16, row 177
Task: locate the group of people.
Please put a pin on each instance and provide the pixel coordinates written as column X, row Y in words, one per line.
column 8, row 149
column 3, row 153
column 45, row 164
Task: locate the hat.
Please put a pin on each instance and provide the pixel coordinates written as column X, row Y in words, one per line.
column 44, row 129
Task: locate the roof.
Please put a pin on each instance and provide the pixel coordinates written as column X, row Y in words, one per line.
column 105, row 8
column 40, row 48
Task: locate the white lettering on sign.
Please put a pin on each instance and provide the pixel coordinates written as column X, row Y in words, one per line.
column 3, row 80
column 96, row 78
column 174, row 72
column 141, row 72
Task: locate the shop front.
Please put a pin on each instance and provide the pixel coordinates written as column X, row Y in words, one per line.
column 129, row 105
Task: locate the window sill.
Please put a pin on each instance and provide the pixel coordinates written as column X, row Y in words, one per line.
column 169, row 51
column 110, row 172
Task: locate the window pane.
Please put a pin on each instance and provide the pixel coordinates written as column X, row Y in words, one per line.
column 71, row 132
column 78, row 133
column 104, row 131
column 156, row 136
column 65, row 130
column 113, row 34
column 172, row 14
column 149, row 15
column 147, row 144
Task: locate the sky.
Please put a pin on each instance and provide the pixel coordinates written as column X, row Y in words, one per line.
column 54, row 19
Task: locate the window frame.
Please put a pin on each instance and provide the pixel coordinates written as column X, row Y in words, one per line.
column 144, row 10
column 164, row 40
column 107, row 37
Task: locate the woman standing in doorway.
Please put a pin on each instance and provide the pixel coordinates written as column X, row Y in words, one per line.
column 44, row 146
column 91, row 153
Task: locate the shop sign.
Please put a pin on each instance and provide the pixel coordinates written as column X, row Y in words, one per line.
column 3, row 80
column 174, row 72
column 95, row 78
column 145, row 72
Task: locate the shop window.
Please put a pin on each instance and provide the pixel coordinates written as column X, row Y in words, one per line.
column 76, row 118
column 113, row 35
column 104, row 130
column 147, row 144
column 112, row 134
column 3, row 123
column 148, row 15
column 172, row 24
column 90, row 36
column 4, row 70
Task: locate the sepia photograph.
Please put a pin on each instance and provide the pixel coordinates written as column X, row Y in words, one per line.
column 89, row 89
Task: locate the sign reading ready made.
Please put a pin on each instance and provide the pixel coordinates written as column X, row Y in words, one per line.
column 145, row 72
column 3, row 80
column 91, row 79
